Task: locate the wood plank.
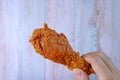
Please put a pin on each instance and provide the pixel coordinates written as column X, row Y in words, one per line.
column 116, row 32
column 104, row 27
column 60, row 18
column 85, row 27
column 9, row 27
column 2, row 44
column 51, row 19
column 31, row 17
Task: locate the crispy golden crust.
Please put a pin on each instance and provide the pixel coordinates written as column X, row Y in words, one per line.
column 56, row 47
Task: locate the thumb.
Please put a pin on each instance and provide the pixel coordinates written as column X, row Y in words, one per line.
column 80, row 75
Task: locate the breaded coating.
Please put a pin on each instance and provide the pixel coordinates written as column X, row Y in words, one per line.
column 55, row 47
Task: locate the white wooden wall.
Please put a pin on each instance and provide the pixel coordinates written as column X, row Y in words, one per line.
column 89, row 25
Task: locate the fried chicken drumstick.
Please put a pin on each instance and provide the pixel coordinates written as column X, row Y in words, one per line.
column 55, row 47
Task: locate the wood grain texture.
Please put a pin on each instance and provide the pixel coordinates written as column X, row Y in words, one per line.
column 85, row 26
column 8, row 36
column 115, row 32
column 31, row 17
column 90, row 25
column 58, row 16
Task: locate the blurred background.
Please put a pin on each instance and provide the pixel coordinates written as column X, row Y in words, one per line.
column 90, row 25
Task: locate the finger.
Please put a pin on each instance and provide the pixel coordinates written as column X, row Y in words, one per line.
column 109, row 63
column 98, row 65
column 80, row 75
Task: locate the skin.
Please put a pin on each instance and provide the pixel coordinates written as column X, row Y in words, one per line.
column 102, row 66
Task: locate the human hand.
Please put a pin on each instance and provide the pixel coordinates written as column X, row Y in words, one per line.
column 102, row 66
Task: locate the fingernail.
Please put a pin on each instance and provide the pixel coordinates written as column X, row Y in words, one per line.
column 77, row 73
